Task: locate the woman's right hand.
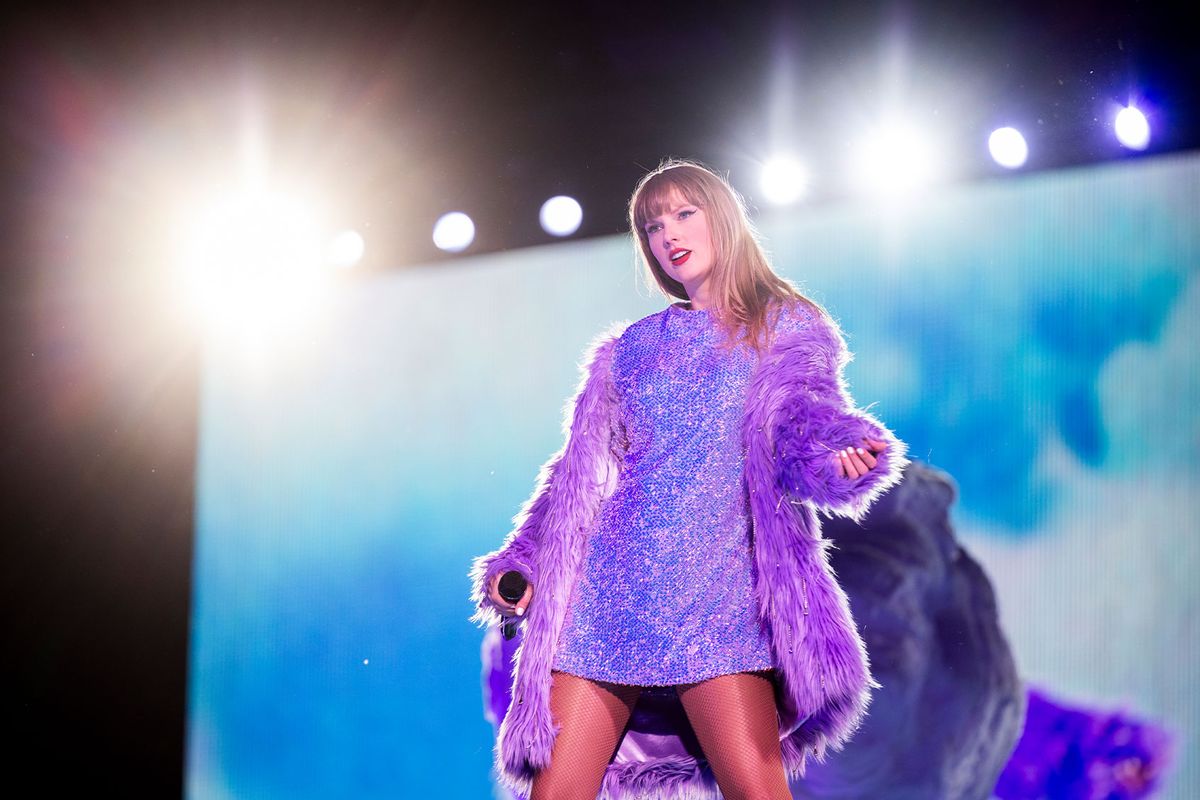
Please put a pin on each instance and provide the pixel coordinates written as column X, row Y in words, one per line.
column 503, row 606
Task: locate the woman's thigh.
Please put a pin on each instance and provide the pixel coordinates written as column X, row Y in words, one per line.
column 592, row 716
column 737, row 725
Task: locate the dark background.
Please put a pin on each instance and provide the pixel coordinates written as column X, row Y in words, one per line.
column 416, row 109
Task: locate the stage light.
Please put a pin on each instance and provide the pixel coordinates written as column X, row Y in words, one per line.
column 1132, row 129
column 784, row 180
column 454, row 232
column 345, row 249
column 1008, row 147
column 895, row 159
column 252, row 261
column 561, row 216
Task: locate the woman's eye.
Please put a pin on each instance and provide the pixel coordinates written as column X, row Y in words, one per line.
column 686, row 214
column 652, row 228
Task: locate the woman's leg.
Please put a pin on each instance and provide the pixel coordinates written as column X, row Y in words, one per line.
column 736, row 722
column 592, row 716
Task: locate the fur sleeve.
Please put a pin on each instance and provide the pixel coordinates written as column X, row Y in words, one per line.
column 571, row 484
column 814, row 416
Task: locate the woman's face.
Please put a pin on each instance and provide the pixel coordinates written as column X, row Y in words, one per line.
column 680, row 242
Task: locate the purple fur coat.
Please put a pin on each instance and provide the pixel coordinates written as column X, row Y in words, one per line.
column 797, row 413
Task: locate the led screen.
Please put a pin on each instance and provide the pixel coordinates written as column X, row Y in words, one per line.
column 1033, row 338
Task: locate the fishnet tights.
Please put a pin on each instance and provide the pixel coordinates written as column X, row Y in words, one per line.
column 734, row 718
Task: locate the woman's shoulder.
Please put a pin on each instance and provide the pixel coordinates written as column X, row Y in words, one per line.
column 604, row 342
column 615, row 335
column 794, row 315
column 798, row 321
column 647, row 325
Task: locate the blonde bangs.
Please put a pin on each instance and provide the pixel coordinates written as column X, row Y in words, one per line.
column 654, row 197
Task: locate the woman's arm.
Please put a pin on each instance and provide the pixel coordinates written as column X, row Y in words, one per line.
column 570, row 485
column 812, row 416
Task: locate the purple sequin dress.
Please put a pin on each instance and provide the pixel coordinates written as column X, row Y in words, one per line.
column 665, row 592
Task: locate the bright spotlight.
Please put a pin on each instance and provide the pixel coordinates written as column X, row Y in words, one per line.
column 253, row 261
column 345, row 249
column 1008, row 147
column 454, row 232
column 561, row 215
column 1133, row 130
column 894, row 160
column 784, row 180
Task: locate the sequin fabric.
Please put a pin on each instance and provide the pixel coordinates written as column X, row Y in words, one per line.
column 665, row 592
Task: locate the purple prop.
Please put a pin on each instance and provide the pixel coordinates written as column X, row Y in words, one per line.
column 1078, row 754
column 950, row 709
column 497, row 654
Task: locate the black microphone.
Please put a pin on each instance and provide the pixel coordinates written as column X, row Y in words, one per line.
column 511, row 588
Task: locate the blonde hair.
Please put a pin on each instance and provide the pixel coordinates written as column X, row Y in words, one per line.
column 743, row 283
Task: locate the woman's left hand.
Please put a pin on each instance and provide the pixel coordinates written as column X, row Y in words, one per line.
column 854, row 462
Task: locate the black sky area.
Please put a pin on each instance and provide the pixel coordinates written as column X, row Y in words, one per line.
column 412, row 109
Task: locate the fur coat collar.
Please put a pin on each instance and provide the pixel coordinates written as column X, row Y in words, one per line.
column 797, row 412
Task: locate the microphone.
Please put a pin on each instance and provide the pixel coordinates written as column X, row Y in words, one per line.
column 511, row 588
